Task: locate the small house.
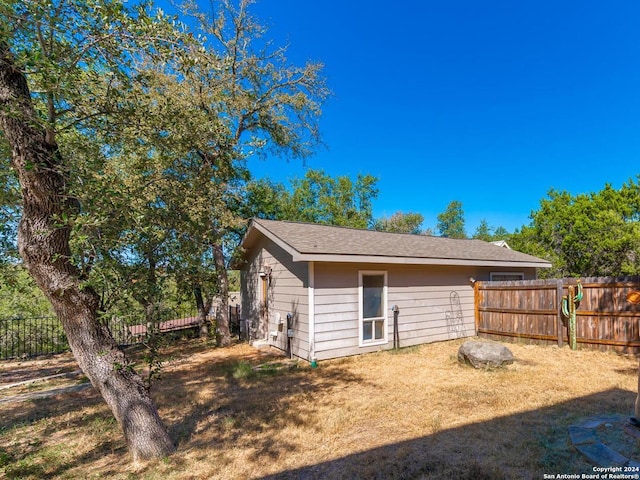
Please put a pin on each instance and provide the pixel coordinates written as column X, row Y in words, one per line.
column 320, row 292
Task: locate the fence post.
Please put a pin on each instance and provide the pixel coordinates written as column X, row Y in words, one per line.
column 559, row 326
column 476, row 302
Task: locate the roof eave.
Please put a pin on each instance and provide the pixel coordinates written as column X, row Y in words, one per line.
column 315, row 257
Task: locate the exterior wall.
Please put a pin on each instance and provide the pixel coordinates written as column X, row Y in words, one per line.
column 287, row 293
column 435, row 303
column 336, row 310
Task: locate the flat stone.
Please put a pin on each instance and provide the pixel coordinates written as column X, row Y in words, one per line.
column 585, row 439
column 600, row 454
column 484, row 354
column 583, row 435
column 595, row 422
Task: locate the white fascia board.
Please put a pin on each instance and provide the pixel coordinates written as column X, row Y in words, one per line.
column 302, row 257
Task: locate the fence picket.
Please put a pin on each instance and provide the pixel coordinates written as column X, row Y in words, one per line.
column 530, row 310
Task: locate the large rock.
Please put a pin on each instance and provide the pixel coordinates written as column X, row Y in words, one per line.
column 484, row 354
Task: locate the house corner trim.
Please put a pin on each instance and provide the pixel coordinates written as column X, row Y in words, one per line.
column 312, row 322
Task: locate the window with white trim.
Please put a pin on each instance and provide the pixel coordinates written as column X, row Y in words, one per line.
column 505, row 276
column 373, row 307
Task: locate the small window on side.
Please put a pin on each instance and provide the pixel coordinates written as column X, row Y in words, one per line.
column 506, row 276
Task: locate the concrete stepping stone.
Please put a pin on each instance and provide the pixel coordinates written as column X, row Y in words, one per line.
column 584, row 438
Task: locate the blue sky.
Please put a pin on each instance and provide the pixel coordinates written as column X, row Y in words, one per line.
column 489, row 103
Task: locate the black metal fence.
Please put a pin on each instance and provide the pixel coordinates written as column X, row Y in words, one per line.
column 25, row 337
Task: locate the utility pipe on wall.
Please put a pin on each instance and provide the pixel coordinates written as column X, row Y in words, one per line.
column 396, row 333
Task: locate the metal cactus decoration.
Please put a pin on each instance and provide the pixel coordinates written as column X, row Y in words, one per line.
column 570, row 303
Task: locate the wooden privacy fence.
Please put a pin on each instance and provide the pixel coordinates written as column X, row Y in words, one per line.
column 531, row 311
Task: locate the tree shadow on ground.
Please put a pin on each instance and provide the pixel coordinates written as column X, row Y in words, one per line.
column 215, row 400
column 64, row 414
column 58, row 415
column 478, row 451
column 13, row 371
column 243, row 402
column 31, row 411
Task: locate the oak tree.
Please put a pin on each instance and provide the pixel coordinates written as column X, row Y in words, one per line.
column 248, row 100
column 110, row 114
column 64, row 71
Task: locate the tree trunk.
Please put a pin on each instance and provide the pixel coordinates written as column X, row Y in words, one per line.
column 151, row 318
column 203, row 310
column 43, row 241
column 150, row 299
column 224, row 333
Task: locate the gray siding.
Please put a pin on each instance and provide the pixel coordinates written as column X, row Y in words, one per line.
column 435, row 302
column 287, row 293
column 336, row 310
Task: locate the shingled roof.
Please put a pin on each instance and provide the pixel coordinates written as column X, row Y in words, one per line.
column 313, row 242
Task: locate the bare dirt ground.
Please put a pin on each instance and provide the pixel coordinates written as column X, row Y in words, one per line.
column 415, row 413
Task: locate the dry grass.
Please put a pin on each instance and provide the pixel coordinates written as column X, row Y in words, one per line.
column 415, row 413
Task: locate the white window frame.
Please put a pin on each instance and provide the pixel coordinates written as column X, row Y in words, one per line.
column 511, row 274
column 361, row 341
